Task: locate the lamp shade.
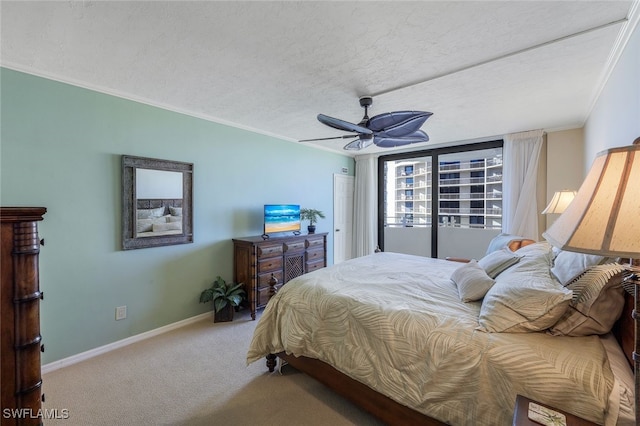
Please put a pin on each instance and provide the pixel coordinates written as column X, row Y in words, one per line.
column 559, row 202
column 604, row 217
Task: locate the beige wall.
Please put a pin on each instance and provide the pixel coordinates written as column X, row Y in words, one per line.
column 614, row 119
column 565, row 163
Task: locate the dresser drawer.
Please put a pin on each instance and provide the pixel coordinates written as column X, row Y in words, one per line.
column 312, row 266
column 269, row 250
column 294, row 246
column 315, row 255
column 315, row 242
column 269, row 264
column 263, row 295
column 263, row 279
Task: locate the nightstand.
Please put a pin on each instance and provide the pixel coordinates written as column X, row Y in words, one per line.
column 521, row 418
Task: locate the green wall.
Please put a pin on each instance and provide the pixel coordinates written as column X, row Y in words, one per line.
column 61, row 147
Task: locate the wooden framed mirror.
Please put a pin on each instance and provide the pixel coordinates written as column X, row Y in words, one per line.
column 157, row 202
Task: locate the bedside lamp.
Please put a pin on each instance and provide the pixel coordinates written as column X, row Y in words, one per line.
column 559, row 201
column 604, row 219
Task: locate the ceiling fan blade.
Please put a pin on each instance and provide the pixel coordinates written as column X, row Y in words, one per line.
column 390, row 142
column 398, row 123
column 326, row 139
column 336, row 123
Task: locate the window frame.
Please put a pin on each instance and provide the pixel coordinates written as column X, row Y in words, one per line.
column 434, row 153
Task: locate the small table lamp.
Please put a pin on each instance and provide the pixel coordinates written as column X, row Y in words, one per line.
column 559, row 202
column 604, row 219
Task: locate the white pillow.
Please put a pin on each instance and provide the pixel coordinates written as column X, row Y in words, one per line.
column 167, row 226
column 146, row 225
column 525, row 297
column 175, row 211
column 570, row 265
column 150, row 213
column 497, row 261
column 472, row 281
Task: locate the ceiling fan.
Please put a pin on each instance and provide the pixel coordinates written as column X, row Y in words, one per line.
column 387, row 130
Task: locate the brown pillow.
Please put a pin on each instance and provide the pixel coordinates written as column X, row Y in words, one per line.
column 598, row 300
column 516, row 244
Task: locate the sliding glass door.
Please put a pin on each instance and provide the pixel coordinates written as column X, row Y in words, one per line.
column 441, row 202
column 469, row 202
column 407, row 205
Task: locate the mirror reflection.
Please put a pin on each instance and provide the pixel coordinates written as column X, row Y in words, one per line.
column 156, row 202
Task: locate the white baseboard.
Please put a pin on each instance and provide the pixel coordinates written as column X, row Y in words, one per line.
column 73, row 359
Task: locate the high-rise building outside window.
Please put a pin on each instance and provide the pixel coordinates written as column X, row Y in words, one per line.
column 469, row 191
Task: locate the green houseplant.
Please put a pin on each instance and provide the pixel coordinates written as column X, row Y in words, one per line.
column 225, row 298
column 312, row 216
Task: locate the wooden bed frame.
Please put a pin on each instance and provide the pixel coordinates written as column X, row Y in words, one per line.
column 394, row 413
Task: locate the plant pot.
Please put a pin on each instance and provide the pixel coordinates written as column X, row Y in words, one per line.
column 311, row 229
column 224, row 315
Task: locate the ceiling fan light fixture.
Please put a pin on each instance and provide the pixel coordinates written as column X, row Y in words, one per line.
column 362, row 142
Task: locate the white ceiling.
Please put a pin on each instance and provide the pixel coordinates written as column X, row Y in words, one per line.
column 484, row 68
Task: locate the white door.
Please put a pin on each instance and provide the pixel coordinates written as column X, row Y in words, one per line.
column 342, row 217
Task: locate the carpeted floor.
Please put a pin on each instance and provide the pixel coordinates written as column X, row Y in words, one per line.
column 195, row 375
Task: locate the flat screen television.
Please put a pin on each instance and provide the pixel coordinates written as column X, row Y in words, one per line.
column 281, row 218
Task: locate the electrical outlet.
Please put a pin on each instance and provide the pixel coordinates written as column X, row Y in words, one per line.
column 121, row 312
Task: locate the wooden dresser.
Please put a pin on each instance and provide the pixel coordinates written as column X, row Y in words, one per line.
column 20, row 375
column 256, row 260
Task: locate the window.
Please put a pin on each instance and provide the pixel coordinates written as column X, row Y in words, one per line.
column 465, row 191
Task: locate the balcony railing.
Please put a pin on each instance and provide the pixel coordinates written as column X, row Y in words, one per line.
column 422, row 222
column 471, row 165
column 462, row 181
column 470, row 211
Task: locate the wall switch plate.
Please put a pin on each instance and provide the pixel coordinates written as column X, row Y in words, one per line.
column 121, row 312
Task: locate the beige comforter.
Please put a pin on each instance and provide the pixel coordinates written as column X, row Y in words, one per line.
column 395, row 322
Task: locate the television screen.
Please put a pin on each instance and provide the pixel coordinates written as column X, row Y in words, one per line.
column 281, row 218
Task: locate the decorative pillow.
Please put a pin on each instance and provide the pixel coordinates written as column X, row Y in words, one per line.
column 497, row 261
column 150, row 213
column 525, row 297
column 146, row 225
column 170, row 226
column 472, row 281
column 175, row 211
column 598, row 301
column 174, row 219
column 569, row 265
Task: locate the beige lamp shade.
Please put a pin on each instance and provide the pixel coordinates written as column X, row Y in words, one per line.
column 559, row 202
column 604, row 217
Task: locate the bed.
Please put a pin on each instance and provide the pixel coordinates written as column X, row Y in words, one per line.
column 392, row 333
column 157, row 217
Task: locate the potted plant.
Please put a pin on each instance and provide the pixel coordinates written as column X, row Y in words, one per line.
column 312, row 216
column 225, row 298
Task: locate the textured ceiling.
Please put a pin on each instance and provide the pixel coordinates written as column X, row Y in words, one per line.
column 483, row 68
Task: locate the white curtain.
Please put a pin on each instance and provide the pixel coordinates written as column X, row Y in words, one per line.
column 520, row 210
column 365, row 206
